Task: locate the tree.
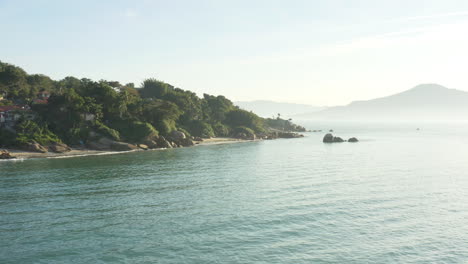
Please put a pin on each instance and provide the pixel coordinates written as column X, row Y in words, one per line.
column 239, row 117
column 13, row 82
column 152, row 88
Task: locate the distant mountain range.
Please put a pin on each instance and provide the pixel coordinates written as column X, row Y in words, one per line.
column 423, row 102
column 271, row 108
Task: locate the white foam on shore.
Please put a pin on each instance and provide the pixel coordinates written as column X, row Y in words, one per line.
column 122, row 152
column 13, row 160
column 91, row 154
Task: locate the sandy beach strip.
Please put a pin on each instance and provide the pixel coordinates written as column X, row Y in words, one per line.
column 22, row 154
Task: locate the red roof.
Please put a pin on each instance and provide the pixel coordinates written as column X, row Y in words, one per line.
column 9, row 108
column 40, row 101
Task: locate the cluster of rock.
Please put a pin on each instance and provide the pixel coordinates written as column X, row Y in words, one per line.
column 6, row 155
column 174, row 140
column 56, row 147
column 329, row 138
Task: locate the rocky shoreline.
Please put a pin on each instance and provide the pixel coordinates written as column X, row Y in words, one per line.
column 104, row 145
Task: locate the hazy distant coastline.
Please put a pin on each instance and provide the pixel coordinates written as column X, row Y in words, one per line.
column 425, row 102
column 270, row 109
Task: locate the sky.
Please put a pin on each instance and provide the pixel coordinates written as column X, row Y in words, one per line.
column 319, row 52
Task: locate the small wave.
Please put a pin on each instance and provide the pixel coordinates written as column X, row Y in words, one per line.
column 13, row 160
column 92, row 154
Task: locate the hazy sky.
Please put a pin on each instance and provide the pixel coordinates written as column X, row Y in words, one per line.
column 318, row 52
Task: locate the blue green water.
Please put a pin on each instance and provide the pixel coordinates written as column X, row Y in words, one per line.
column 398, row 196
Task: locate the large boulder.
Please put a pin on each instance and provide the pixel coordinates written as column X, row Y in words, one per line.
column 106, row 141
column 59, row 147
column 163, row 143
column 35, row 147
column 122, row 146
column 186, row 142
column 143, row 146
column 96, row 146
column 102, row 143
column 177, row 135
column 337, row 140
column 328, row 138
column 353, row 139
column 151, row 144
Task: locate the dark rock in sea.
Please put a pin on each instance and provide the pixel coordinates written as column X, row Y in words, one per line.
column 337, row 140
column 331, row 130
column 328, row 138
column 59, row 147
column 122, row 146
column 6, row 155
column 35, row 147
column 353, row 139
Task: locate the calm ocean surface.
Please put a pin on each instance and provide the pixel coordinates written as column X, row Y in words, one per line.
column 398, row 196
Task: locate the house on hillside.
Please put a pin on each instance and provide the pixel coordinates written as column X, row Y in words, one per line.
column 42, row 97
column 10, row 114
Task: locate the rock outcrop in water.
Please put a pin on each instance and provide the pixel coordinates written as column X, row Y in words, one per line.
column 329, row 138
column 337, row 140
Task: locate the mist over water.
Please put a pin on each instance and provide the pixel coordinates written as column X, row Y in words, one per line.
column 399, row 195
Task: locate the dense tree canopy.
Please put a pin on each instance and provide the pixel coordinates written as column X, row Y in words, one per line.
column 78, row 108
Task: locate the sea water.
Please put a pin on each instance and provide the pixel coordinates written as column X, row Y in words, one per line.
column 400, row 195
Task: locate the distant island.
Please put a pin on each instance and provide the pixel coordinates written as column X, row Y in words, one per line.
column 425, row 102
column 40, row 114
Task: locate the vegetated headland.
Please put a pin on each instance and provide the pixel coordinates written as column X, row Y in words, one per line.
column 41, row 115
